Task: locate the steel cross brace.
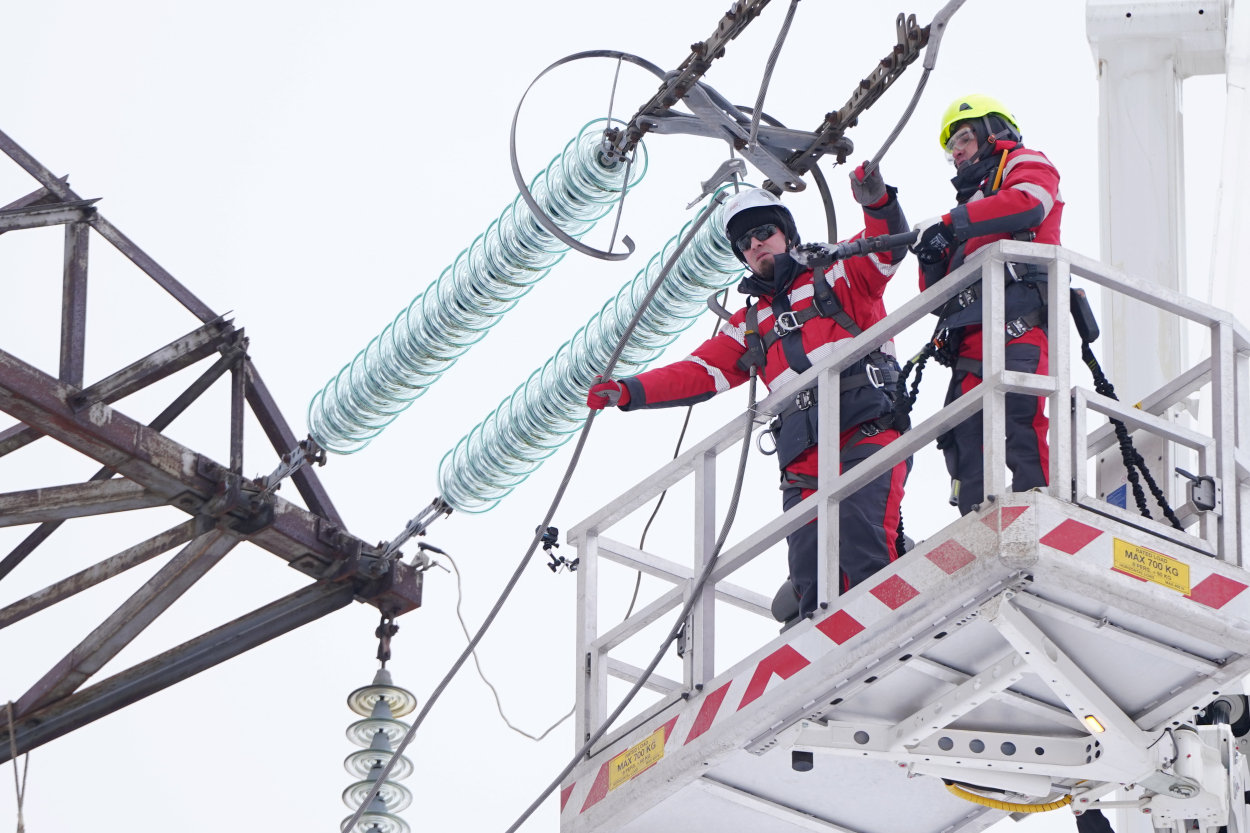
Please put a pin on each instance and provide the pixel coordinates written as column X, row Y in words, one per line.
column 197, row 485
column 257, row 393
column 282, row 616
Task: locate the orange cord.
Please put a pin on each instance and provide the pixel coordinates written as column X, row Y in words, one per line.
column 998, row 177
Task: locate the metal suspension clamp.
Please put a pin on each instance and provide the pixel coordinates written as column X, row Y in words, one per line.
column 786, row 323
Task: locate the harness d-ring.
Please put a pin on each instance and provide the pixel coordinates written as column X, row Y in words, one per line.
column 539, row 215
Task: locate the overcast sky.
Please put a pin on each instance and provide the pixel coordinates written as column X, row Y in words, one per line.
column 312, row 166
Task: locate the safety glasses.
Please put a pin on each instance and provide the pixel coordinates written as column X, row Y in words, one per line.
column 963, row 140
column 760, row 233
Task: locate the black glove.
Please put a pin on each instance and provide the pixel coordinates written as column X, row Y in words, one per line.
column 935, row 244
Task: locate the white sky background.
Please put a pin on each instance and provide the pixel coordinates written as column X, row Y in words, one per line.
column 312, row 167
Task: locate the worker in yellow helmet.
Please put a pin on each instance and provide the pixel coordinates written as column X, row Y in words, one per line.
column 1004, row 191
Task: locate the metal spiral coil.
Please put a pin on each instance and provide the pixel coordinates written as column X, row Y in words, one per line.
column 578, row 188
column 544, row 412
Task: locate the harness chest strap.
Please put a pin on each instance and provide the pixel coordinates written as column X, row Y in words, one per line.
column 825, row 304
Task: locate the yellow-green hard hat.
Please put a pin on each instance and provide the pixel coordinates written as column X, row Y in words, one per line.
column 972, row 107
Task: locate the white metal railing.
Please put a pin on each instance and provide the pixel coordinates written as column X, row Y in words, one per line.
column 1227, row 372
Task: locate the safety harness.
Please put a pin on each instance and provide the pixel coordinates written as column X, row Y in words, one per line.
column 880, row 371
column 947, row 338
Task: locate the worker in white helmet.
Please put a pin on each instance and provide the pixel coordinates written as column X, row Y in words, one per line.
column 793, row 318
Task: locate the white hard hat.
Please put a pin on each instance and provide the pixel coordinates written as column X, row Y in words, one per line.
column 750, row 198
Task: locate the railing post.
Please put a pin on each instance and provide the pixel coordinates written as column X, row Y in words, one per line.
column 700, row 656
column 1059, row 341
column 993, row 346
column 828, row 441
column 1224, row 431
column 1239, row 492
column 591, row 673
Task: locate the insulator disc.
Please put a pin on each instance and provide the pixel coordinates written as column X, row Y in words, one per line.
column 401, row 700
column 396, row 796
column 385, row 821
column 362, row 731
column 359, row 764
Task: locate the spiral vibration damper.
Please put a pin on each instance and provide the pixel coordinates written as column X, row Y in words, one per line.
column 544, row 412
column 577, row 189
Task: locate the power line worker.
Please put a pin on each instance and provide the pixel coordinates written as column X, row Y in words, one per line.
column 799, row 315
column 1005, row 192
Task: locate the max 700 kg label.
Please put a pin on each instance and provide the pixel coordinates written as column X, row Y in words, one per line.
column 635, row 759
column 1151, row 566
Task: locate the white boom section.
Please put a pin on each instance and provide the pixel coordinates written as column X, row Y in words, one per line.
column 981, row 656
column 1144, row 50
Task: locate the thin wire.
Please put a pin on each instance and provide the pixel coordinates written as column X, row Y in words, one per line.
column 677, row 625
column 612, row 97
column 350, row 823
column 19, row 787
column 620, row 207
column 480, row 673
column 685, row 424
column 902, row 122
column 734, row 174
column 768, row 70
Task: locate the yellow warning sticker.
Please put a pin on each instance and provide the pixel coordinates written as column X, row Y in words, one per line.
column 1151, row 565
column 635, row 759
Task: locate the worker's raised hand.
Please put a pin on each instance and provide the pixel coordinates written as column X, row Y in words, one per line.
column 607, row 394
column 868, row 189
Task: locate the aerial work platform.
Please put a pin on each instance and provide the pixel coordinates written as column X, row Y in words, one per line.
column 1038, row 648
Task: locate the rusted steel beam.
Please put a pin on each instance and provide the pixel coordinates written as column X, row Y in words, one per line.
column 41, row 216
column 129, row 620
column 17, row 436
column 171, row 358
column 238, row 400
column 263, row 404
column 283, row 439
column 173, row 666
column 162, row 421
column 104, row 570
column 41, row 196
column 60, row 503
column 184, row 478
column 74, row 303
column 107, row 230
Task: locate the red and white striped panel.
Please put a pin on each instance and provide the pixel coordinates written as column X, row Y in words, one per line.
column 861, row 609
column 1214, row 583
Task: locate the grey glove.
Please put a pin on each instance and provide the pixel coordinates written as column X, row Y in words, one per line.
column 869, row 189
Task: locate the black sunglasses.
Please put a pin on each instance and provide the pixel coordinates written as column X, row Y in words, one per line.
column 760, row 233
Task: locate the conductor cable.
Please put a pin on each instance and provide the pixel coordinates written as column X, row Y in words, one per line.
column 768, row 70
column 350, row 823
